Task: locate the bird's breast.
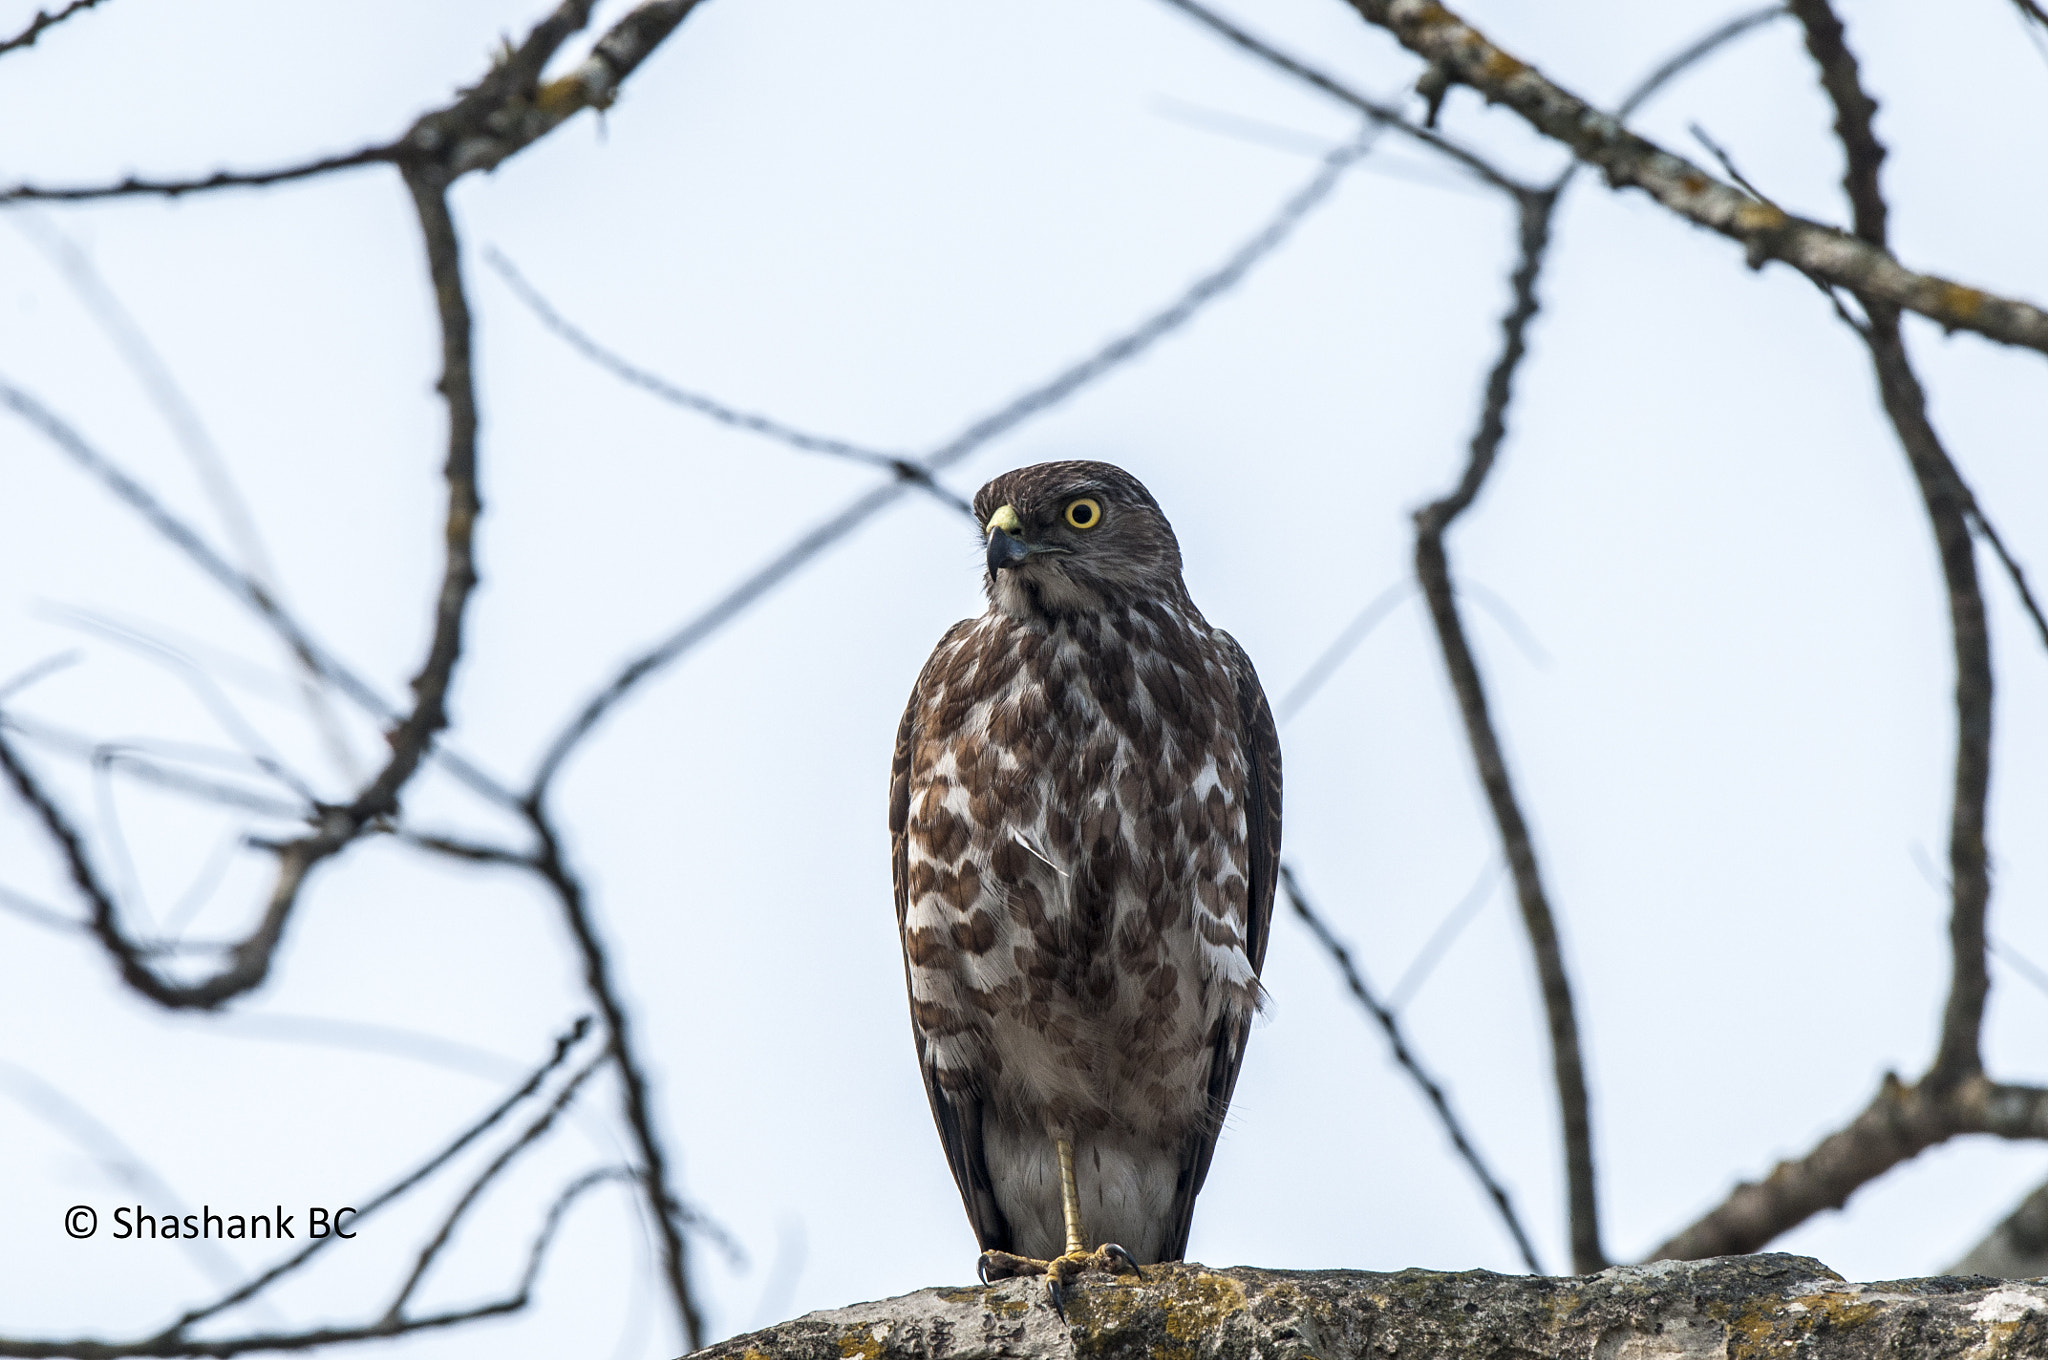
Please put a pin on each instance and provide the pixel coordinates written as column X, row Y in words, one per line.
column 1076, row 854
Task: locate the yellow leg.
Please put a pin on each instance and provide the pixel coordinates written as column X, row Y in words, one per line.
column 1062, row 1270
column 1070, row 1198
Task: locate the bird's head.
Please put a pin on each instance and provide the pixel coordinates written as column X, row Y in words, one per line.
column 1075, row 537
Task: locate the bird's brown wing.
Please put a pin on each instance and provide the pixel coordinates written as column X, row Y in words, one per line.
column 957, row 1112
column 1262, row 828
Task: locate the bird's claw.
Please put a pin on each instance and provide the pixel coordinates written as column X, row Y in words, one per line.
column 1117, row 1258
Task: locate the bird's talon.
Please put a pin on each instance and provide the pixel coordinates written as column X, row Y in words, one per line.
column 1115, row 1259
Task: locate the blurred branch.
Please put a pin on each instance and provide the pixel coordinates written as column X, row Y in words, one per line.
column 1444, row 936
column 1018, row 410
column 564, row 1045
column 45, row 20
column 1384, row 115
column 1688, row 57
column 455, row 847
column 1451, row 45
column 149, row 771
column 178, row 412
column 766, row 426
column 238, row 583
column 1333, row 657
column 1439, row 1103
column 1899, row 1123
column 2017, row 1249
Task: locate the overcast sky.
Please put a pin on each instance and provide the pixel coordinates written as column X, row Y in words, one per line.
column 1700, row 581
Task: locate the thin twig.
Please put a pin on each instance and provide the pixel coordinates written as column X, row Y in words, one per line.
column 1020, row 409
column 1688, row 57
column 1413, row 1067
column 457, row 847
column 532, row 1134
column 1384, row 115
column 149, row 771
column 597, row 978
column 1432, row 569
column 1443, row 937
column 134, row 186
column 178, row 412
column 564, row 1045
column 42, row 22
column 710, row 407
column 1333, row 657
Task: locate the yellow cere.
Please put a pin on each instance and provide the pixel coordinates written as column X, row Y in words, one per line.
column 1085, row 513
column 1004, row 519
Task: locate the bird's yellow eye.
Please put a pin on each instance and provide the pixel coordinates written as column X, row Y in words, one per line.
column 1085, row 513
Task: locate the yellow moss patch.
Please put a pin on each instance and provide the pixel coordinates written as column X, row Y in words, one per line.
column 1768, row 1326
column 1501, row 67
column 865, row 1346
column 1960, row 302
column 1758, row 217
column 559, row 98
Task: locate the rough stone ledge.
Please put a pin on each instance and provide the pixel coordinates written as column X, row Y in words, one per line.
column 1731, row 1308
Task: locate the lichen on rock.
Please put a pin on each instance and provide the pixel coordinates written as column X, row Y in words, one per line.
column 1766, row 1307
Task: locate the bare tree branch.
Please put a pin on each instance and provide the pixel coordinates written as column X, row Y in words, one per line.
column 527, row 1138
column 1440, row 37
column 134, row 186
column 1954, row 1096
column 597, row 978
column 1949, row 507
column 766, row 426
column 41, row 23
column 1432, row 570
column 1439, row 1103
column 1899, row 1123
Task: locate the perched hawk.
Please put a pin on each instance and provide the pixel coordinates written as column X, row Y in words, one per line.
column 1085, row 815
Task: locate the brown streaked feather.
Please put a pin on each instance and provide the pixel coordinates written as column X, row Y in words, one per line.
column 1262, row 828
column 957, row 1113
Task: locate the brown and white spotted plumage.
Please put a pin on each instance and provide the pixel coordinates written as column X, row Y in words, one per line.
column 1085, row 811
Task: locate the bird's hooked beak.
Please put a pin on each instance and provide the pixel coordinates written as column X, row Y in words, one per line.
column 1005, row 548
